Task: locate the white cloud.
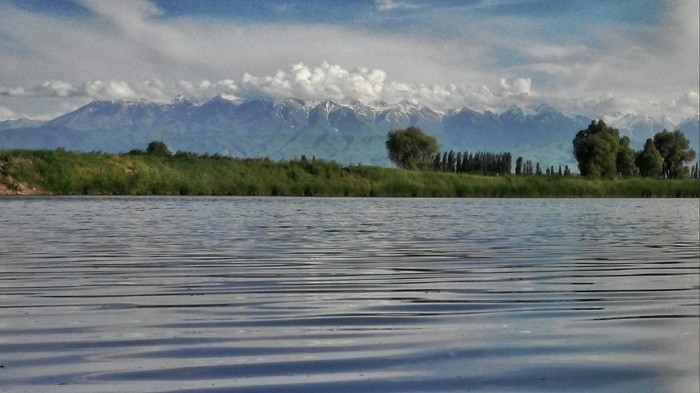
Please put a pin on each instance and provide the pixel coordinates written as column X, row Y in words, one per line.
column 316, row 83
column 128, row 51
column 517, row 86
column 6, row 114
column 12, row 92
column 675, row 110
column 113, row 89
column 388, row 5
column 54, row 89
column 689, row 101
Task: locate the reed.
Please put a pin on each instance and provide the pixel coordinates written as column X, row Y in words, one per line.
column 61, row 172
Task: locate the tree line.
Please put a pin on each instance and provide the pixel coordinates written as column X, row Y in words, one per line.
column 411, row 148
column 479, row 162
column 599, row 151
column 525, row 168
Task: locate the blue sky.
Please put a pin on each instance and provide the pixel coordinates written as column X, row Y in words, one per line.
column 594, row 57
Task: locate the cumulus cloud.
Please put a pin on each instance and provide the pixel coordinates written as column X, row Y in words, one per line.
column 516, row 86
column 316, row 83
column 444, row 59
column 134, row 43
column 333, row 81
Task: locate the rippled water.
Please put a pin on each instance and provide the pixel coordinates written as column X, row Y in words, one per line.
column 348, row 295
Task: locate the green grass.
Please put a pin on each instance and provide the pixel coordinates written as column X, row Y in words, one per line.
column 72, row 173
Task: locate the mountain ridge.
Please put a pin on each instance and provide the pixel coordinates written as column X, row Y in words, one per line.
column 348, row 132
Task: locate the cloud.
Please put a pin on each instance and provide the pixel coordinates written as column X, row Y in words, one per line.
column 97, row 90
column 333, row 81
column 6, row 114
column 54, row 89
column 517, row 86
column 316, row 83
column 446, row 57
column 675, row 110
column 388, row 5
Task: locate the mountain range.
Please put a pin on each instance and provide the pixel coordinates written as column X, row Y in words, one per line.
column 348, row 132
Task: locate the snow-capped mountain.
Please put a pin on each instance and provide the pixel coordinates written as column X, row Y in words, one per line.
column 638, row 127
column 348, row 132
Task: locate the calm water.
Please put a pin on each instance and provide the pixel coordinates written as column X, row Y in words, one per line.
column 348, row 295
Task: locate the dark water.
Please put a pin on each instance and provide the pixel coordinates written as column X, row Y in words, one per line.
column 348, row 295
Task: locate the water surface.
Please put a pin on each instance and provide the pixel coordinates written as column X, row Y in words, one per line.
column 160, row 294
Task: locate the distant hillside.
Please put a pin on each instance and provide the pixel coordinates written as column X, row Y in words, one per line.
column 19, row 123
column 345, row 132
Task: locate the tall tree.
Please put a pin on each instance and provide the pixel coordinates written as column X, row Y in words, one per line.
column 519, row 166
column 675, row 151
column 649, row 160
column 595, row 149
column 625, row 159
column 411, row 148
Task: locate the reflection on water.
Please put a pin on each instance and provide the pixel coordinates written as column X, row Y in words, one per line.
column 348, row 295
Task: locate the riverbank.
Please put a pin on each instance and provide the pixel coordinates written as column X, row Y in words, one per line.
column 60, row 172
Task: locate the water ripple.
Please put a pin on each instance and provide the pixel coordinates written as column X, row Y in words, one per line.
column 347, row 295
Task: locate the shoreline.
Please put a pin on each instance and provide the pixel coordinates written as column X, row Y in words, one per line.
column 63, row 173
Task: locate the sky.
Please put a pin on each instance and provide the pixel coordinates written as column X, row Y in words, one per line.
column 593, row 57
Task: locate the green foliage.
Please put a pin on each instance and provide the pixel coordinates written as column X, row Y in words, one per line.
column 625, row 162
column 411, row 148
column 675, row 151
column 480, row 162
column 71, row 173
column 649, row 160
column 158, row 148
column 601, row 153
column 596, row 148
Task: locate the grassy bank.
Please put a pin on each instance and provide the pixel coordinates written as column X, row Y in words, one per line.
column 71, row 173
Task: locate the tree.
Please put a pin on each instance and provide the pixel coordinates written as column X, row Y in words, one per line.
column 519, row 166
column 649, row 161
column 675, row 151
column 625, row 159
column 411, row 148
column 451, row 162
column 595, row 149
column 158, row 148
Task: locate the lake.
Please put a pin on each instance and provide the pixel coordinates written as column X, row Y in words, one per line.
column 209, row 294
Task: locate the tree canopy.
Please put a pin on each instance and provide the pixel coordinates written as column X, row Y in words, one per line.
column 158, row 148
column 601, row 152
column 675, row 151
column 596, row 150
column 649, row 160
column 411, row 148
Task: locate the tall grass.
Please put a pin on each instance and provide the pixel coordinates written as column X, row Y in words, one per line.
column 72, row 173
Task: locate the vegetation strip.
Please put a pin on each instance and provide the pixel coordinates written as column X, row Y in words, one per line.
column 61, row 172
